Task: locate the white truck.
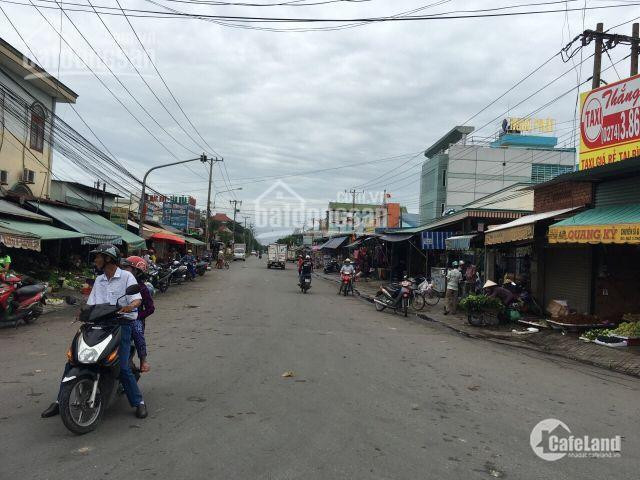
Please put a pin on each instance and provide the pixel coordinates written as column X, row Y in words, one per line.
column 240, row 252
column 276, row 255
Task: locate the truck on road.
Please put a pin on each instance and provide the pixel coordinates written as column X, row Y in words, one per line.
column 276, row 255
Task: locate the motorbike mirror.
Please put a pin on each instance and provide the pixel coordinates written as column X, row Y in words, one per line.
column 132, row 289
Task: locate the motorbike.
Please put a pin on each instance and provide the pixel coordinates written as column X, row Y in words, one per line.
column 202, row 267
column 19, row 301
column 178, row 272
column 305, row 282
column 346, row 284
column 396, row 296
column 91, row 384
column 161, row 277
column 332, row 266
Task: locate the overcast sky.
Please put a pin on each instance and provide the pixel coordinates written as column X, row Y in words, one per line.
column 275, row 103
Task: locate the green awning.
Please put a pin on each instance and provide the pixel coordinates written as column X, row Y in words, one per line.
column 193, row 241
column 608, row 225
column 133, row 241
column 42, row 230
column 81, row 222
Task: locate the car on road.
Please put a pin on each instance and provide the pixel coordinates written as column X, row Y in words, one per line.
column 240, row 252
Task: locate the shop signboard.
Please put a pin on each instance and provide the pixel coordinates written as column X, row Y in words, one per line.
column 617, row 233
column 610, row 123
column 307, row 240
column 507, row 235
column 119, row 215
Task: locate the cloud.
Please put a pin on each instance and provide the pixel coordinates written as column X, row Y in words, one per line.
column 277, row 103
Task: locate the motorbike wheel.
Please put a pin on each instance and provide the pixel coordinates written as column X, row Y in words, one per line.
column 379, row 307
column 431, row 298
column 475, row 319
column 418, row 301
column 345, row 290
column 75, row 412
column 226, row 265
column 201, row 273
column 37, row 311
column 163, row 287
column 405, row 303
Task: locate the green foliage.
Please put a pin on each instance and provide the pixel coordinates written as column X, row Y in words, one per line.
column 481, row 303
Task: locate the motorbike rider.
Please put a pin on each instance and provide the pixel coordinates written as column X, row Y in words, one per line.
column 220, row 261
column 305, row 269
column 108, row 288
column 190, row 261
column 138, row 267
column 348, row 269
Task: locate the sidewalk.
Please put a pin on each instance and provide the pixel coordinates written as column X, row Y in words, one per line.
column 623, row 360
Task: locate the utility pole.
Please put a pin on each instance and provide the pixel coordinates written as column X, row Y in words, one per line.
column 635, row 48
column 353, row 193
column 235, row 210
column 597, row 58
column 206, row 226
column 244, row 231
column 104, row 192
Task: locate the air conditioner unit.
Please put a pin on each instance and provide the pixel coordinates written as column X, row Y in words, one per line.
column 4, row 177
column 28, row 176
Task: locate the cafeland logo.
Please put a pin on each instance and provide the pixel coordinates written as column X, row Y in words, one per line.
column 552, row 440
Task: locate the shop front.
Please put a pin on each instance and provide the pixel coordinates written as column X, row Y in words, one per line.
column 607, row 239
column 515, row 250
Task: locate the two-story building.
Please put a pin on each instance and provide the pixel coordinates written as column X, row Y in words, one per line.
column 28, row 99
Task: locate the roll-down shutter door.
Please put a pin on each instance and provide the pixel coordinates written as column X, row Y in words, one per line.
column 568, row 277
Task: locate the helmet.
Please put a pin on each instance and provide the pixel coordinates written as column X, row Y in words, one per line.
column 189, row 251
column 108, row 250
column 347, row 260
column 454, row 264
column 461, row 262
column 307, row 257
column 489, row 283
column 135, row 262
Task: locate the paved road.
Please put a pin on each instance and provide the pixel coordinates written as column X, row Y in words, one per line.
column 373, row 396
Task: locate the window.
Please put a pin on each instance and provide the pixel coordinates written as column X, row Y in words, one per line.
column 28, row 176
column 37, row 127
column 4, row 177
column 444, row 177
column 541, row 172
column 442, row 209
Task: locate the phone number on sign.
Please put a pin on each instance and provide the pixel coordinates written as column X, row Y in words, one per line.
column 626, row 127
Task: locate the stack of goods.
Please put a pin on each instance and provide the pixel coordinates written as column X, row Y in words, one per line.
column 624, row 335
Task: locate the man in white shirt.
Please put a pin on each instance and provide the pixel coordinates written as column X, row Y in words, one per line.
column 109, row 288
column 347, row 267
column 454, row 277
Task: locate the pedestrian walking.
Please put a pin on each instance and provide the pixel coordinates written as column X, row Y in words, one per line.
column 454, row 276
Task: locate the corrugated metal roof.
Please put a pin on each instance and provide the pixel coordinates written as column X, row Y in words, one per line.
column 14, row 210
column 529, row 219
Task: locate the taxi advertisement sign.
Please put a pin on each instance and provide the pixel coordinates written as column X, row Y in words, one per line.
column 610, row 123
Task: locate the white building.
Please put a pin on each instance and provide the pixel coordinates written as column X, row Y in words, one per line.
column 458, row 172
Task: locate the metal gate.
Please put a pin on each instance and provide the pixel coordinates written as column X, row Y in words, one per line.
column 568, row 276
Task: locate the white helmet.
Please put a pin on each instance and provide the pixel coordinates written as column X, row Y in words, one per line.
column 347, row 260
column 307, row 257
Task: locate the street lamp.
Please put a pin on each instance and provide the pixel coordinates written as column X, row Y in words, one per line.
column 223, row 191
column 202, row 158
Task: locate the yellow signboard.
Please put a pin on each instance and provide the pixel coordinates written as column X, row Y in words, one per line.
column 620, row 233
column 544, row 125
column 513, row 234
column 610, row 123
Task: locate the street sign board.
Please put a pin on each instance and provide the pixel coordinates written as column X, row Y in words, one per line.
column 119, row 215
column 610, row 123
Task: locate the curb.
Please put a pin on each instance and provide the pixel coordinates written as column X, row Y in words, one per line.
column 520, row 344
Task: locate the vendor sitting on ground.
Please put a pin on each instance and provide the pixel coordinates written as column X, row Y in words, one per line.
column 493, row 290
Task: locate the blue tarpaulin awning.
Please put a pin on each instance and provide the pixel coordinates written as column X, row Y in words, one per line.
column 435, row 240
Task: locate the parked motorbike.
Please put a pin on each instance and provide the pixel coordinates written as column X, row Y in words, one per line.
column 332, row 266
column 396, row 296
column 178, row 272
column 346, row 284
column 201, row 267
column 305, row 282
column 161, row 278
column 92, row 383
column 19, row 301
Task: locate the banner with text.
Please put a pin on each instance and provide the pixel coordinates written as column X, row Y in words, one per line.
column 621, row 233
column 610, row 123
